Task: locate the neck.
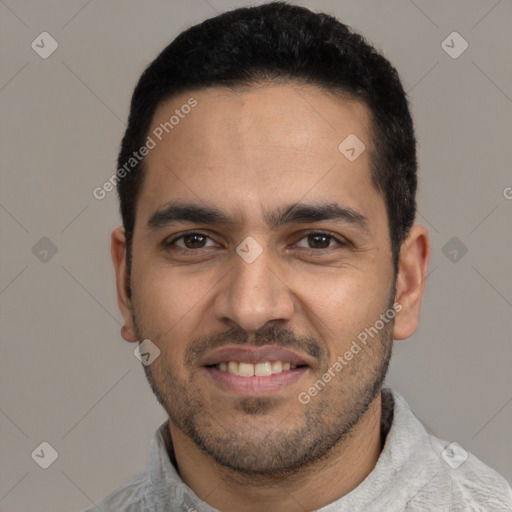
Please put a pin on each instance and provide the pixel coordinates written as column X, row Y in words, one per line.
column 310, row 488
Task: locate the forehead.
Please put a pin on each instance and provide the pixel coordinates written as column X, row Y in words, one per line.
column 251, row 149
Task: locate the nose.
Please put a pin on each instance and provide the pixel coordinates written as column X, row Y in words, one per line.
column 253, row 294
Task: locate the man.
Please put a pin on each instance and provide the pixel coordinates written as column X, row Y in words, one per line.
column 268, row 259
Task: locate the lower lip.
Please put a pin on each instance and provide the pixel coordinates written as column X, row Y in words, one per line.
column 252, row 386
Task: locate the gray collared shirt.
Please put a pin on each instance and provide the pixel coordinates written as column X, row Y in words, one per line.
column 415, row 472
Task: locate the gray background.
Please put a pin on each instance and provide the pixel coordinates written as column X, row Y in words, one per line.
column 69, row 379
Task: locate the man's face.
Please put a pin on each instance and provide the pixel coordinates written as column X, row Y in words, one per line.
column 315, row 272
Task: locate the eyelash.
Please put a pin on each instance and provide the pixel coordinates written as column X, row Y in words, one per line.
column 169, row 243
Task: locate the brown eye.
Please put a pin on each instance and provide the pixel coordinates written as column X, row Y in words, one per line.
column 194, row 241
column 191, row 241
column 319, row 241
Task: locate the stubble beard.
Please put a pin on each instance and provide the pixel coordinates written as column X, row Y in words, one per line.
column 305, row 434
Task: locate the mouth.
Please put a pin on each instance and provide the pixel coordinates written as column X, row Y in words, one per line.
column 262, row 369
column 253, row 371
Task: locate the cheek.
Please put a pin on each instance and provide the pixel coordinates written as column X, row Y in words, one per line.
column 168, row 308
column 342, row 307
column 162, row 293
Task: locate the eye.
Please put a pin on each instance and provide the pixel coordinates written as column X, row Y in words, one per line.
column 191, row 241
column 318, row 240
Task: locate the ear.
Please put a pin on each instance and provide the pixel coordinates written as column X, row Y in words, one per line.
column 118, row 251
column 410, row 284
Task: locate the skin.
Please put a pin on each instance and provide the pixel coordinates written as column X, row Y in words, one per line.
column 248, row 152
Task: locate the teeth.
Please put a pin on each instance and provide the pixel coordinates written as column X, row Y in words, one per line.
column 263, row 369
column 277, row 367
column 245, row 369
column 233, row 367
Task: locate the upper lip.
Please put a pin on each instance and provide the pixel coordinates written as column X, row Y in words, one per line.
column 254, row 355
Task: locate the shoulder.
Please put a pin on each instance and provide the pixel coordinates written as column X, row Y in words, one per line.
column 473, row 484
column 127, row 497
column 440, row 475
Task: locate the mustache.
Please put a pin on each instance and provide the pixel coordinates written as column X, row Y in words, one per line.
column 270, row 335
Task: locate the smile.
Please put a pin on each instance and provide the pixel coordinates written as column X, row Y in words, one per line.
column 263, row 369
column 254, row 371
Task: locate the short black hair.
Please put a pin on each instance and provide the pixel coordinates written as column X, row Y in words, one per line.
column 280, row 42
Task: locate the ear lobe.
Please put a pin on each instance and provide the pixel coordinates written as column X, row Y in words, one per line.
column 410, row 284
column 118, row 252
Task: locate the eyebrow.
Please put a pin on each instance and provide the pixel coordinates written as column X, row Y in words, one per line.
column 290, row 214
